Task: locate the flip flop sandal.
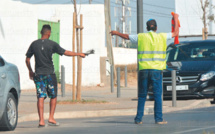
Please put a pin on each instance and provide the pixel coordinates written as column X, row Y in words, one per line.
column 54, row 124
column 42, row 126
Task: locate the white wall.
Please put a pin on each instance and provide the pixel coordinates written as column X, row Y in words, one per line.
column 190, row 14
column 122, row 56
column 125, row 56
column 18, row 28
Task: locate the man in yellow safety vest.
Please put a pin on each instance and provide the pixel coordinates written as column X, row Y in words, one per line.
column 152, row 60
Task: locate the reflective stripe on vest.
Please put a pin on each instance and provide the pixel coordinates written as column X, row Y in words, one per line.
column 152, row 59
column 152, row 50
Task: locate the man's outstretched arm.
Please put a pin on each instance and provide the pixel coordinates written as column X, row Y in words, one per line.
column 70, row 53
column 124, row 36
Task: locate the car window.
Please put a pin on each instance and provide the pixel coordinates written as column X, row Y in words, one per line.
column 2, row 63
column 191, row 52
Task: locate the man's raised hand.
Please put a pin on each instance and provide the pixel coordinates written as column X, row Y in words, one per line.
column 113, row 33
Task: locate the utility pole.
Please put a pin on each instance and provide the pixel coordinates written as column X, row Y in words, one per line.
column 139, row 30
column 123, row 17
column 123, row 21
column 108, row 35
column 139, row 16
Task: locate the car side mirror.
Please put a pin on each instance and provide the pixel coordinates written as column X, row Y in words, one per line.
column 2, row 63
column 172, row 46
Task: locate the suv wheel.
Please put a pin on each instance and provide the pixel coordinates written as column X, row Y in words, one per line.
column 10, row 116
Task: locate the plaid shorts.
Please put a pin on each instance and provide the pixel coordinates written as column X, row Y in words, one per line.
column 46, row 84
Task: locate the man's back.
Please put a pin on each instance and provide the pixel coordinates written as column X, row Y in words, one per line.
column 43, row 50
column 152, row 39
column 152, row 50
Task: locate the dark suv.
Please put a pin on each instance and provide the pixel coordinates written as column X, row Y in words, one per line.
column 194, row 62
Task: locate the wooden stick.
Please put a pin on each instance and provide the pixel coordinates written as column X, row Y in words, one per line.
column 79, row 27
column 78, row 97
column 80, row 60
column 73, row 49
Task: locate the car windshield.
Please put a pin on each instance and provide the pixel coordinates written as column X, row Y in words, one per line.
column 191, row 52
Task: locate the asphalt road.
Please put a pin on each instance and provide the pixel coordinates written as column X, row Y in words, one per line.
column 198, row 121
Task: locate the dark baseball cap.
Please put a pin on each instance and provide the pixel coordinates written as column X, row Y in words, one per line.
column 151, row 24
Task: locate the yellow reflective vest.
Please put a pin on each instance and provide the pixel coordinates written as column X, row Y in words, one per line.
column 152, row 50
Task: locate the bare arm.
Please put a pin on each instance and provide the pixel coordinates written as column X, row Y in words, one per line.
column 124, row 36
column 28, row 64
column 176, row 27
column 70, row 53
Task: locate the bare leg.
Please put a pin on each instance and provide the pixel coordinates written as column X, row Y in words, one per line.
column 40, row 108
column 53, row 103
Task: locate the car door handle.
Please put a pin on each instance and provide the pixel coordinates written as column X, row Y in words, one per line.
column 3, row 76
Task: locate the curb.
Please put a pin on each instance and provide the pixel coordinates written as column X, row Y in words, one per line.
column 195, row 105
column 80, row 114
column 85, row 114
column 121, row 112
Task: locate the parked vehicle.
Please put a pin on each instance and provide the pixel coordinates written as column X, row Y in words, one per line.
column 9, row 95
column 194, row 62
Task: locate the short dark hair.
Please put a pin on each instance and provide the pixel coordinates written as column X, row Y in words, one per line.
column 45, row 28
column 151, row 25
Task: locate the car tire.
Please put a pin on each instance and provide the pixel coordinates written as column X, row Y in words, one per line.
column 10, row 115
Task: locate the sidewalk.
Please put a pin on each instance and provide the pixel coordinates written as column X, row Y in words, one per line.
column 125, row 105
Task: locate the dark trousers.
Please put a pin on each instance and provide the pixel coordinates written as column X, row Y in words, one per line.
column 154, row 77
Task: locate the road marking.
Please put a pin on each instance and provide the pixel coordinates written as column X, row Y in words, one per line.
column 192, row 130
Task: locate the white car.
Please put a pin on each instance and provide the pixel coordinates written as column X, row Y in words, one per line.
column 9, row 95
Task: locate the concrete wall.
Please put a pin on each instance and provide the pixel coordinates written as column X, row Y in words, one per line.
column 122, row 56
column 18, row 28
